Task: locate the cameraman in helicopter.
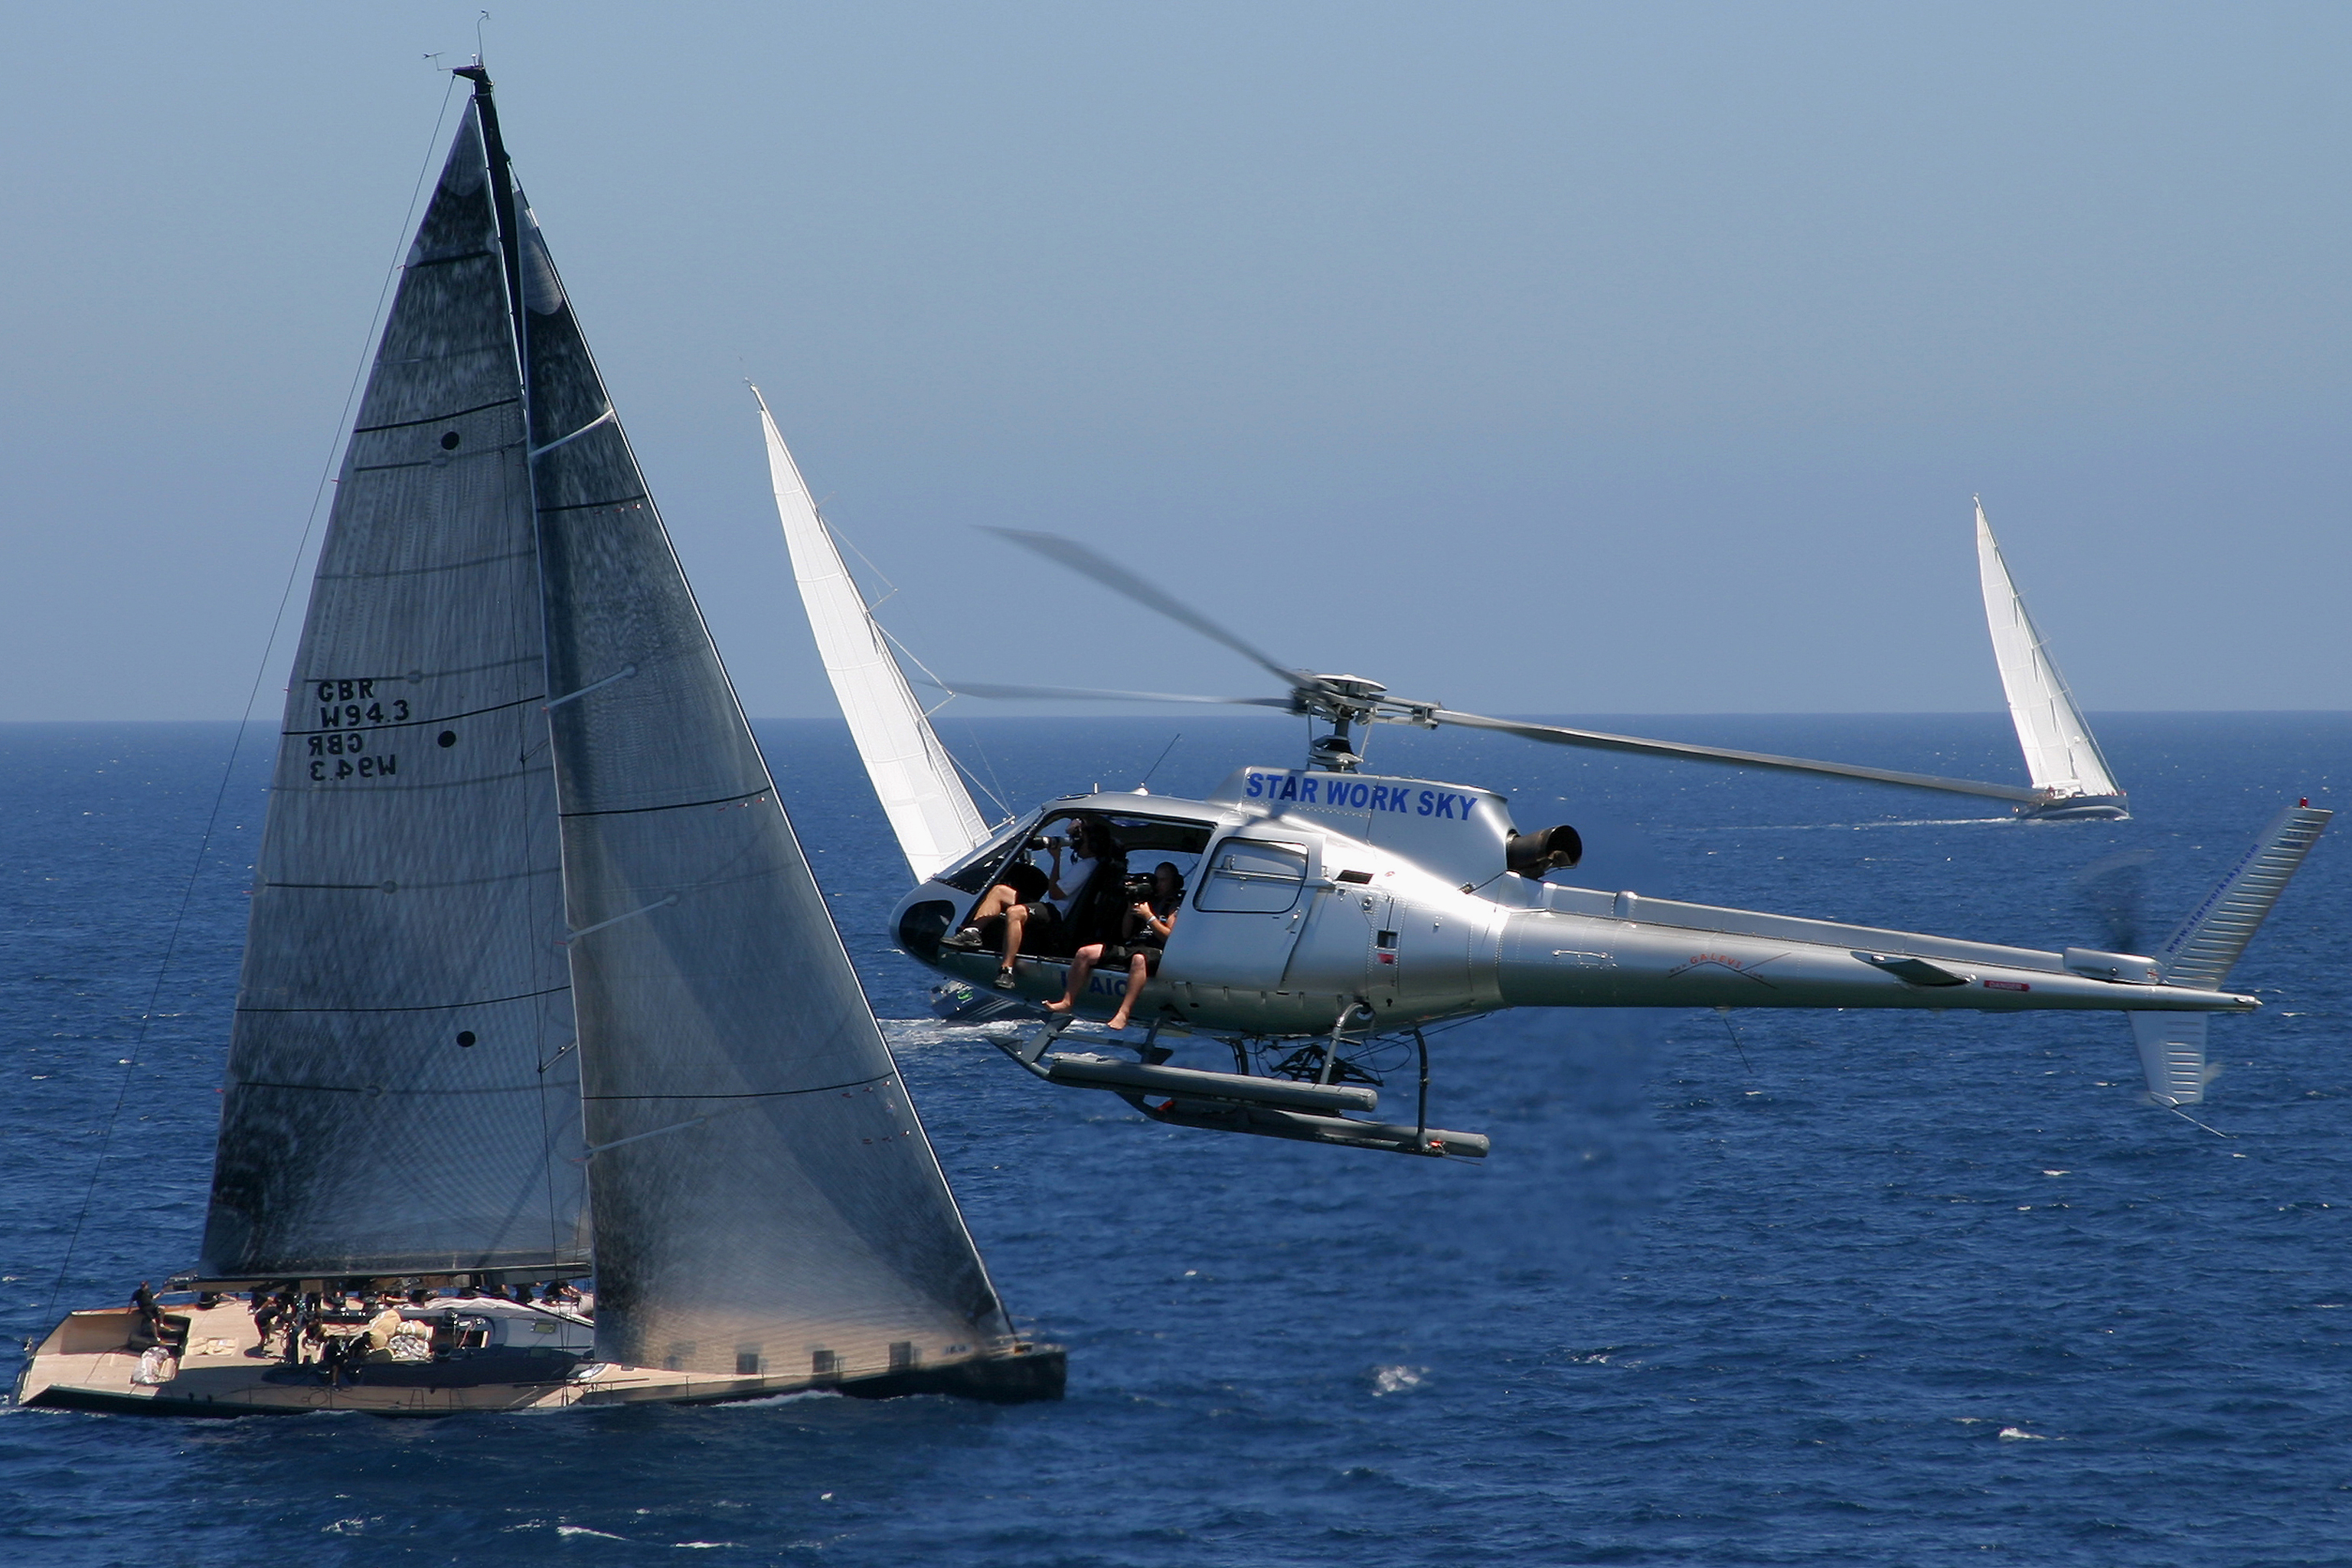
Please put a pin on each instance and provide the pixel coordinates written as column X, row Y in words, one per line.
column 1033, row 907
column 1150, row 916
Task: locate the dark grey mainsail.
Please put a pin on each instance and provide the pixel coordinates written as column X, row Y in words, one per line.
column 399, row 1098
column 765, row 1200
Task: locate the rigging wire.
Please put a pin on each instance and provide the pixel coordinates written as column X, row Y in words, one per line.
column 1725, row 1014
column 244, row 722
column 2194, row 1122
column 834, row 531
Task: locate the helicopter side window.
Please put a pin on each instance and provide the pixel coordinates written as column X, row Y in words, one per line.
column 1252, row 875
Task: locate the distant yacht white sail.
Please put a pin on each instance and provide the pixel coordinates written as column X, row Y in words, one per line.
column 925, row 800
column 2061, row 758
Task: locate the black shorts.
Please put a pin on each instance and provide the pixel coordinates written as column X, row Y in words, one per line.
column 1042, row 936
column 1119, row 957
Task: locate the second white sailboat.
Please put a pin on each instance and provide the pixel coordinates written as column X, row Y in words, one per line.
column 2063, row 760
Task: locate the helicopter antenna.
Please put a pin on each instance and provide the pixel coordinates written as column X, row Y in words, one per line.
column 1155, row 766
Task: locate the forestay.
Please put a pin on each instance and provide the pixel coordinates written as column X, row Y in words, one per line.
column 2060, row 754
column 765, row 1200
column 399, row 1097
column 925, row 802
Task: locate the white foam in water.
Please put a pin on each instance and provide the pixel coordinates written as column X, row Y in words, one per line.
column 1396, row 1379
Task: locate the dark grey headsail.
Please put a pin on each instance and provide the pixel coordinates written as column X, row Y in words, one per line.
column 765, row 1201
column 400, row 1095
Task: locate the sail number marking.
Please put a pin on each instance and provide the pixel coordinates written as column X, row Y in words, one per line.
column 346, row 757
column 341, row 752
column 347, row 704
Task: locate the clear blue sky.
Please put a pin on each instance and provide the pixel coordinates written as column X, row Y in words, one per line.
column 1549, row 358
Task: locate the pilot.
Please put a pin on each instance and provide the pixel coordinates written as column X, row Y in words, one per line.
column 1146, row 927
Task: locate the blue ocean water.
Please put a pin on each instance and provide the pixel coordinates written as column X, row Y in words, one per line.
column 1805, row 1288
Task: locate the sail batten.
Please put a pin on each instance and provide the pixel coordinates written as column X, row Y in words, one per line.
column 2061, row 757
column 388, row 1109
column 922, row 797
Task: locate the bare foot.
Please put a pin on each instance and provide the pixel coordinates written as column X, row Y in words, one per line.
column 1118, row 1020
column 1059, row 1007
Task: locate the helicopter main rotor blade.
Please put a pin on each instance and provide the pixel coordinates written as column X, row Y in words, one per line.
column 1598, row 740
column 1070, row 552
column 1083, row 694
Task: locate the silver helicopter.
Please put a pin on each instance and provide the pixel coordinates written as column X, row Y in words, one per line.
column 1326, row 908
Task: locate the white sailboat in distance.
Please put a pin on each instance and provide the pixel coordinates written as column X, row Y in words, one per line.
column 2062, row 761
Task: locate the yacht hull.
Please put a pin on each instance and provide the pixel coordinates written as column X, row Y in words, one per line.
column 2078, row 808
column 223, row 1371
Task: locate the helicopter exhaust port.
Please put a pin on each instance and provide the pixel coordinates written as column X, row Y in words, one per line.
column 1545, row 849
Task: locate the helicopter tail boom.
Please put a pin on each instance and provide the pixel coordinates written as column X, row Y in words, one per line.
column 1654, row 953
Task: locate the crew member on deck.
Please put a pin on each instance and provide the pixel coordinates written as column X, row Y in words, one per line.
column 151, row 1314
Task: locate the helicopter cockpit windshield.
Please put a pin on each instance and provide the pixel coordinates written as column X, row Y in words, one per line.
column 1170, row 839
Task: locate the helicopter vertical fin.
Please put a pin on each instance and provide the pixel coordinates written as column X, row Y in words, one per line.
column 2207, row 947
column 929, row 808
column 2171, row 1055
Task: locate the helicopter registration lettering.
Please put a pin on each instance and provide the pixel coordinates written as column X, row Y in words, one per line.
column 1358, row 795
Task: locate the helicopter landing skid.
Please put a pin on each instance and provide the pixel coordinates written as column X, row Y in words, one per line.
column 1232, row 1101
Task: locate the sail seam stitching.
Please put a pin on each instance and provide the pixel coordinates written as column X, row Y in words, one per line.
column 680, row 805
column 441, row 462
column 446, row 260
column 419, row 723
column 616, row 502
column 435, row 418
column 425, row 1007
column 423, row 571
column 754, row 1094
column 374, row 1089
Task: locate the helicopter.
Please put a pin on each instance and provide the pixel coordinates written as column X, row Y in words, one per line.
column 1327, row 910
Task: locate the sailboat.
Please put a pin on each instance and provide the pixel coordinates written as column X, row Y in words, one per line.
column 2069, row 774
column 923, row 797
column 537, row 990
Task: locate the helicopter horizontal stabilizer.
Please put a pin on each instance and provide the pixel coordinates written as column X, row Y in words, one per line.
column 2202, row 951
